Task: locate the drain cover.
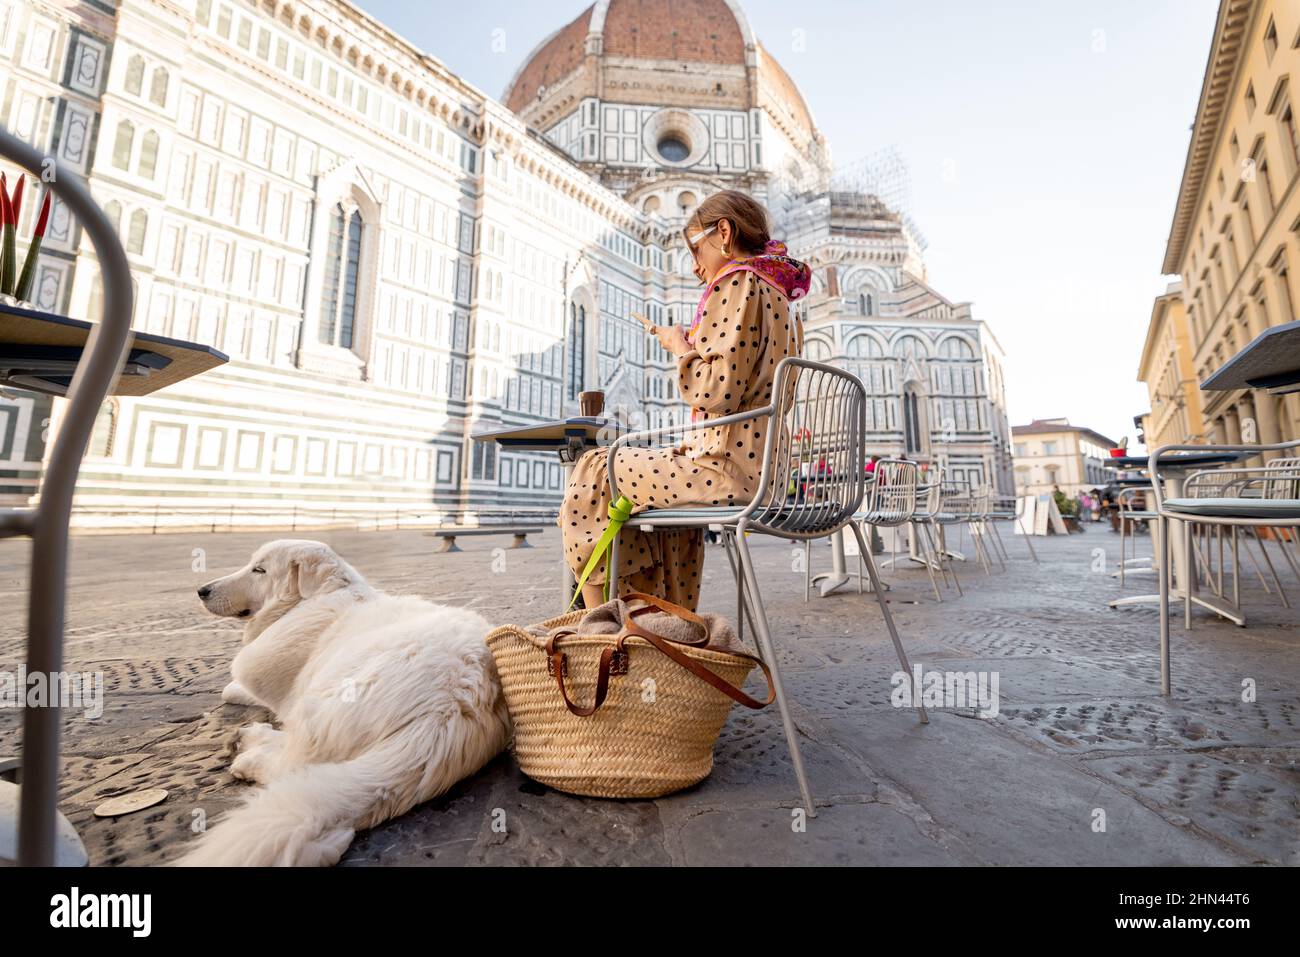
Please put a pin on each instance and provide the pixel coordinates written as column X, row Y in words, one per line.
column 130, row 803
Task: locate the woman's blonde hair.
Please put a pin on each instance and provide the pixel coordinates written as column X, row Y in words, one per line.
column 748, row 218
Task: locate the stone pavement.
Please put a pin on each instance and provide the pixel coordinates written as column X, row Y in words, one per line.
column 1082, row 734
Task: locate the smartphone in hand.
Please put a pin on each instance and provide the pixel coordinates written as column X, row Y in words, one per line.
column 649, row 326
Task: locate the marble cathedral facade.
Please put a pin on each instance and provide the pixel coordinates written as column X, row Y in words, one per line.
column 394, row 260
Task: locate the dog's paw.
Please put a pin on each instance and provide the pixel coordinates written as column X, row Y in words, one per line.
column 255, row 735
column 235, row 693
column 246, row 767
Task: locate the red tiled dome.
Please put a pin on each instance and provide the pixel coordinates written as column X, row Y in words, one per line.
column 640, row 35
column 697, row 31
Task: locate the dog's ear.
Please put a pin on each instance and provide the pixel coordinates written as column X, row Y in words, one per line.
column 316, row 570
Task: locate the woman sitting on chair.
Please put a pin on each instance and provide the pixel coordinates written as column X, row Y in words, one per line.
column 743, row 328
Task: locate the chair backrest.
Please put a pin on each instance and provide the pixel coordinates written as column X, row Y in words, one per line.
column 815, row 446
column 892, row 500
column 955, row 498
column 1283, row 479
column 932, row 495
column 1213, row 483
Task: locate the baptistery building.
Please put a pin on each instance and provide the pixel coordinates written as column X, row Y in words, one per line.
column 395, row 260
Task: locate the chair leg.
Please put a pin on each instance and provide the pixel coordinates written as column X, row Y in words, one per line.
column 945, row 560
column 807, row 570
column 1236, row 570
column 1164, row 576
column 977, row 543
column 1028, row 540
column 889, row 623
column 1286, row 553
column 937, row 556
column 1263, row 550
column 1122, row 523
column 1190, row 572
column 864, row 525
column 744, row 608
column 763, row 638
column 913, row 530
column 1001, row 548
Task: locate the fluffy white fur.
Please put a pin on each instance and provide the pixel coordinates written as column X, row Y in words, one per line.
column 384, row 702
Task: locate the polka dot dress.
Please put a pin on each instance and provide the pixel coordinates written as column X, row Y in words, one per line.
column 745, row 330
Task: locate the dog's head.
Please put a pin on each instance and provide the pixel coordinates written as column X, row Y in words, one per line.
column 280, row 573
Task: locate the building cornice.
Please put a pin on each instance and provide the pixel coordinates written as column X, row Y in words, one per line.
column 1230, row 30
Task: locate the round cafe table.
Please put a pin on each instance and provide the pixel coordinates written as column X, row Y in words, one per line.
column 1173, row 469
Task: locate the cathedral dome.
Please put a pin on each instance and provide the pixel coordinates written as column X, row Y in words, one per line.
column 670, row 53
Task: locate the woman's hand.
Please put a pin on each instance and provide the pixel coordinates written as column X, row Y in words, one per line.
column 673, row 339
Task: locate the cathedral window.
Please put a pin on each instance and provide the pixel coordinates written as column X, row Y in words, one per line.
column 342, row 265
column 911, row 421
column 577, row 349
column 158, row 87
column 136, row 232
column 147, row 165
column 135, row 75
column 122, row 143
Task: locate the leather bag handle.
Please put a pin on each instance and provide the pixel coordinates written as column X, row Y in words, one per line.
column 614, row 660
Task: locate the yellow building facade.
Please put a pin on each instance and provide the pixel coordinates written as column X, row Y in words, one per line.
column 1236, row 231
column 1048, row 453
column 1166, row 367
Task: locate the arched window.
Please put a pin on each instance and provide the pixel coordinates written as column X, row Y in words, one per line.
column 911, row 421
column 113, row 212
column 135, row 235
column 342, row 265
column 122, row 144
column 866, row 304
column 910, row 345
column 148, row 164
column 158, row 87
column 863, row 347
column 956, row 349
column 135, row 75
column 818, row 350
column 577, row 349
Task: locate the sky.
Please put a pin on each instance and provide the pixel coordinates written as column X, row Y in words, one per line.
column 1045, row 142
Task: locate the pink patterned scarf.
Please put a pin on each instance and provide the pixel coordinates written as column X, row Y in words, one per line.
column 774, row 267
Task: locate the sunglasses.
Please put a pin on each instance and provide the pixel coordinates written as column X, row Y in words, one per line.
column 693, row 241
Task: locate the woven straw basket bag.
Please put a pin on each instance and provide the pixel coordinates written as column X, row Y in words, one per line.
column 657, row 705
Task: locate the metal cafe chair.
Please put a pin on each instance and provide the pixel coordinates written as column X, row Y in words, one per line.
column 1129, row 517
column 1012, row 509
column 41, row 829
column 1230, row 482
column 1266, row 497
column 928, row 528
column 1009, row 509
column 956, row 510
column 890, row 502
column 893, row 503
column 817, row 415
column 985, row 542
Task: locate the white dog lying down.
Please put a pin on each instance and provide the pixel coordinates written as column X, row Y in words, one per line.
column 384, row 702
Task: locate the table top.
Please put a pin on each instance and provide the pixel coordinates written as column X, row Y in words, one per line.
column 1270, row 361
column 39, row 351
column 560, row 433
column 1179, row 460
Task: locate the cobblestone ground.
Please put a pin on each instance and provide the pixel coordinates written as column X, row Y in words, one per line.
column 1201, row 778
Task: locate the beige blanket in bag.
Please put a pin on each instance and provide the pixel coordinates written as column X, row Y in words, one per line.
column 608, row 619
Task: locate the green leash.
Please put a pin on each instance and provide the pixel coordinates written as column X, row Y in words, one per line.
column 619, row 512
